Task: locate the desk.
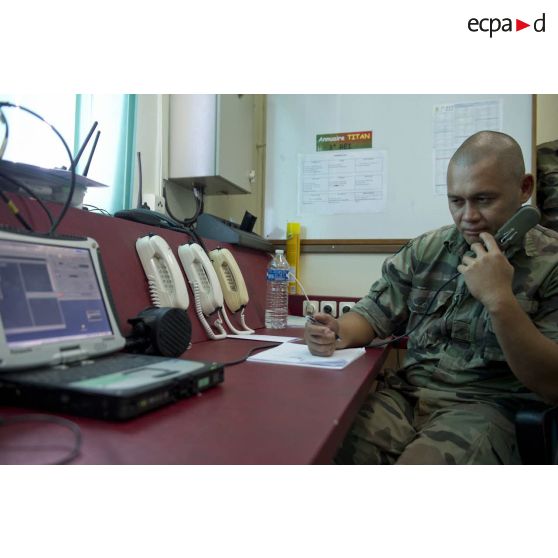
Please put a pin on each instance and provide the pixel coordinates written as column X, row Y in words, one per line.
column 261, row 414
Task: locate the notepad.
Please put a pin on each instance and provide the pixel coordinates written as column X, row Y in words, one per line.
column 299, row 355
column 255, row 337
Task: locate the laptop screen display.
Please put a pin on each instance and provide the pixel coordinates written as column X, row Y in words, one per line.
column 49, row 294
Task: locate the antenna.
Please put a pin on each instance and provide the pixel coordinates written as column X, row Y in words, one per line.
column 140, row 185
column 81, row 149
column 86, row 170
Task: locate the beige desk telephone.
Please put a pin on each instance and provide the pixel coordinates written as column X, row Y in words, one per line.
column 166, row 282
column 232, row 285
column 208, row 296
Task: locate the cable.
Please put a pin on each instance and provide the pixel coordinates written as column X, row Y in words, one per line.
column 66, row 206
column 407, row 333
column 30, row 193
column 231, row 327
column 253, row 349
column 243, row 322
column 5, row 138
column 198, row 194
column 95, row 208
column 193, row 234
column 72, row 426
column 300, row 285
column 140, row 182
column 201, row 316
column 187, row 228
column 14, row 209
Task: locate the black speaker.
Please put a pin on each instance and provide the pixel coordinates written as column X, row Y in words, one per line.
column 160, row 331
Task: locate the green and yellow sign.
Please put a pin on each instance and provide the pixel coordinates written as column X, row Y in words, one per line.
column 343, row 140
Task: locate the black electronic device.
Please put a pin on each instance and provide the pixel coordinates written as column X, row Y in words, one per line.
column 160, row 331
column 513, row 230
column 248, row 222
column 149, row 217
column 143, row 214
column 210, row 226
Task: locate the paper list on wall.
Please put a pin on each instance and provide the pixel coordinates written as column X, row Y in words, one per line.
column 347, row 182
column 453, row 124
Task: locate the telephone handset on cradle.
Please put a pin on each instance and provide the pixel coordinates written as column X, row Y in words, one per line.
column 166, row 282
column 232, row 284
column 208, row 296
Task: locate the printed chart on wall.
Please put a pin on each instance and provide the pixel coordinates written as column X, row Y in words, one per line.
column 331, row 183
column 452, row 125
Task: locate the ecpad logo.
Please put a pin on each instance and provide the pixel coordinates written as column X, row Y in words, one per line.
column 494, row 24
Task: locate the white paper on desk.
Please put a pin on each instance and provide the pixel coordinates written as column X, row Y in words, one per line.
column 272, row 338
column 299, row 355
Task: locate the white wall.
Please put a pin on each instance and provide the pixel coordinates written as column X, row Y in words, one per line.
column 152, row 143
column 339, row 274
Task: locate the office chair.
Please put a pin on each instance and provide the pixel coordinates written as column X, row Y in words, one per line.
column 537, row 435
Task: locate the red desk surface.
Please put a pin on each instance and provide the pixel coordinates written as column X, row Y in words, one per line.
column 261, row 414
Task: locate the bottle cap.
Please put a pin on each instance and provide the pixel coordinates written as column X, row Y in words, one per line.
column 279, row 251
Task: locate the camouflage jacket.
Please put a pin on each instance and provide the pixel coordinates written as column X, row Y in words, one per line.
column 454, row 352
column 547, row 183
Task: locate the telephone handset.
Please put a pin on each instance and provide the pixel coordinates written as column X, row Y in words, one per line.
column 199, row 270
column 166, row 282
column 208, row 296
column 230, row 277
column 232, row 284
column 513, row 230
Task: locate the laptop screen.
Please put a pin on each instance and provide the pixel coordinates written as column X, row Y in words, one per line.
column 49, row 294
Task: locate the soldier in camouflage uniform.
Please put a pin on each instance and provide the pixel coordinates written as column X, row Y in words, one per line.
column 477, row 349
column 547, row 183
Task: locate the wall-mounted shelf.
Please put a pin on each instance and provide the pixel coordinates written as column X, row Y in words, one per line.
column 348, row 246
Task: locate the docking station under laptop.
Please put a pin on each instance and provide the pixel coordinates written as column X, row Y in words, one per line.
column 60, row 340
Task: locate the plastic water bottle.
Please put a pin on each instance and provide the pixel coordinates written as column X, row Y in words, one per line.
column 277, row 297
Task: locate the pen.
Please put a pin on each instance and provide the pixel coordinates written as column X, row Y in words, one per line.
column 313, row 320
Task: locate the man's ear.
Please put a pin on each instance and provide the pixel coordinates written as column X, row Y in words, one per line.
column 527, row 186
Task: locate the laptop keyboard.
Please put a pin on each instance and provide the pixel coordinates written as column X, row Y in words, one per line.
column 86, row 369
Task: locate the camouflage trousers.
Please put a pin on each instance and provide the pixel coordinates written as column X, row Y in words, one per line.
column 392, row 428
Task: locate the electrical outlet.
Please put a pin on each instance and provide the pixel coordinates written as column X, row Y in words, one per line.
column 310, row 307
column 344, row 307
column 329, row 307
column 155, row 202
column 159, row 204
